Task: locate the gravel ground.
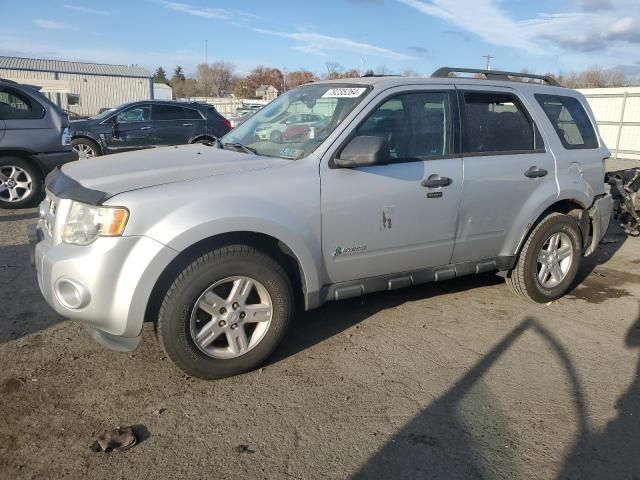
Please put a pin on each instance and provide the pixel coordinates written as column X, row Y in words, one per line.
column 452, row 380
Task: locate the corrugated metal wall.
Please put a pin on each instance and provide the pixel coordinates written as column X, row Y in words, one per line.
column 94, row 91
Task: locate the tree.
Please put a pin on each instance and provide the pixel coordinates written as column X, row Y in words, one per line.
column 215, row 79
column 383, row 70
column 333, row 70
column 410, row 72
column 300, row 77
column 352, row 73
column 369, row 73
column 160, row 76
column 261, row 75
column 178, row 74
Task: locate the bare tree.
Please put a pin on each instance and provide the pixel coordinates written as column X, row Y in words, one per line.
column 333, row 70
column 215, row 79
column 410, row 72
column 383, row 70
column 300, row 77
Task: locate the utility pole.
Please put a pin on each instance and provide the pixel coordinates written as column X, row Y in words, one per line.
column 284, row 79
column 488, row 57
column 206, row 52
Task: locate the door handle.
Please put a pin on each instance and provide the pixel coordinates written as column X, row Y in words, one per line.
column 145, row 128
column 187, row 124
column 535, row 172
column 435, row 181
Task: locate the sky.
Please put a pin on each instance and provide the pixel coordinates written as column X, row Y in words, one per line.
column 422, row 35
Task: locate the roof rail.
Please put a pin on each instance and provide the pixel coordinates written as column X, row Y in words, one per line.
column 445, row 72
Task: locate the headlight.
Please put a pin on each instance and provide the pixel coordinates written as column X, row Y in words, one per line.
column 85, row 223
column 66, row 136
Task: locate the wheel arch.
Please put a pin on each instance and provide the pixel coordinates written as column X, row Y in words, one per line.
column 27, row 157
column 84, row 136
column 576, row 207
column 197, row 138
column 269, row 244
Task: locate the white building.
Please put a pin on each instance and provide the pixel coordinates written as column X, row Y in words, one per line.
column 81, row 88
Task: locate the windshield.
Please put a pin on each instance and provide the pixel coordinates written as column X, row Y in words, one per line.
column 103, row 114
column 295, row 123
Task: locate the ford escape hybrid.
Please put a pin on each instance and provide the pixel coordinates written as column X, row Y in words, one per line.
column 405, row 181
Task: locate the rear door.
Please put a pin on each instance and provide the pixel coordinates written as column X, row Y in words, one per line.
column 507, row 170
column 386, row 219
column 171, row 125
column 131, row 129
column 195, row 121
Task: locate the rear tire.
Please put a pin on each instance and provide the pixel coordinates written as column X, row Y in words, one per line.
column 198, row 321
column 276, row 136
column 545, row 271
column 85, row 148
column 21, row 183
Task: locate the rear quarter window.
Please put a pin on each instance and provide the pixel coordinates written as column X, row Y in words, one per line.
column 15, row 105
column 569, row 120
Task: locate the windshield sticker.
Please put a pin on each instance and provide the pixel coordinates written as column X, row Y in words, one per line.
column 344, row 92
column 290, row 152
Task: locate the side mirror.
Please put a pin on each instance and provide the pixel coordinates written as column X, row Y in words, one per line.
column 364, row 151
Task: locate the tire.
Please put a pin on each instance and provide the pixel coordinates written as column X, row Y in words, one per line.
column 85, row 148
column 525, row 278
column 276, row 136
column 21, row 183
column 181, row 319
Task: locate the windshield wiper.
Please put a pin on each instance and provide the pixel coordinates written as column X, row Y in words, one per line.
column 239, row 146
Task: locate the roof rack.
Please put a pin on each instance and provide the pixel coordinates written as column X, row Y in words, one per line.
column 445, row 72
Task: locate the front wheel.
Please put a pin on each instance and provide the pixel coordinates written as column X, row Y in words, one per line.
column 225, row 313
column 21, row 184
column 548, row 263
column 85, row 148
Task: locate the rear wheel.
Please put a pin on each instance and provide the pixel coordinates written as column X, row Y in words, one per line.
column 225, row 313
column 20, row 183
column 85, row 148
column 548, row 263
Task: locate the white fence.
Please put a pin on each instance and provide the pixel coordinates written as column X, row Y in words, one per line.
column 617, row 112
column 226, row 106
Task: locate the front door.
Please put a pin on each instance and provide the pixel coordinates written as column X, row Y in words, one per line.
column 131, row 129
column 399, row 217
column 505, row 163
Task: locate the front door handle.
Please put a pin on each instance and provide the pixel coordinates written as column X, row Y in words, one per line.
column 145, row 128
column 535, row 172
column 435, row 181
column 187, row 124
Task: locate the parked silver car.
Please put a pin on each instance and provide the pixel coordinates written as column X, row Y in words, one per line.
column 412, row 180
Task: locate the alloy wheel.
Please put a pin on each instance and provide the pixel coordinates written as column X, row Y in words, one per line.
column 231, row 317
column 84, row 151
column 554, row 260
column 15, row 183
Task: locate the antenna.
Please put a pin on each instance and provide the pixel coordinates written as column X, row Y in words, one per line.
column 488, row 57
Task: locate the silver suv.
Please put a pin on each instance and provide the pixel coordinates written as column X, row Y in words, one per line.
column 402, row 181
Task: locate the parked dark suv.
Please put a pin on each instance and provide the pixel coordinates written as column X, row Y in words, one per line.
column 146, row 124
column 34, row 139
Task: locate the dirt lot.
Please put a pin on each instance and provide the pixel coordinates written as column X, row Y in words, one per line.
column 452, row 380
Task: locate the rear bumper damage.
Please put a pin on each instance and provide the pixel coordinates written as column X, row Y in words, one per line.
column 600, row 215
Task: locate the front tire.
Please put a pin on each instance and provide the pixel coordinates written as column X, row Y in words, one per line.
column 225, row 313
column 549, row 261
column 85, row 148
column 21, row 183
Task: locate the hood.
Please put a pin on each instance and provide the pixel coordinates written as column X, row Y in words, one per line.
column 113, row 174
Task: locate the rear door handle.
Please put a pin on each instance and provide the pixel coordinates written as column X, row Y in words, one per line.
column 535, row 172
column 435, row 181
column 145, row 128
column 187, row 124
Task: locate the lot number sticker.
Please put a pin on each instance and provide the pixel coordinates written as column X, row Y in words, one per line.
column 343, row 92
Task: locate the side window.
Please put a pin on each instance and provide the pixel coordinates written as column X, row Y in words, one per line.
column 497, row 122
column 191, row 114
column 416, row 125
column 15, row 105
column 168, row 112
column 135, row 114
column 569, row 120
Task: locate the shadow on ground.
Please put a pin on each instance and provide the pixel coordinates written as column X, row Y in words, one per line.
column 439, row 444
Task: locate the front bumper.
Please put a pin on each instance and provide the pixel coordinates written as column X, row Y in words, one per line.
column 600, row 213
column 49, row 161
column 105, row 286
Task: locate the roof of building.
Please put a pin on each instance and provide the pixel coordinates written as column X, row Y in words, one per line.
column 43, row 65
column 264, row 88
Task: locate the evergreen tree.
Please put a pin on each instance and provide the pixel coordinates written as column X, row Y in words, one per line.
column 160, row 76
column 178, row 74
